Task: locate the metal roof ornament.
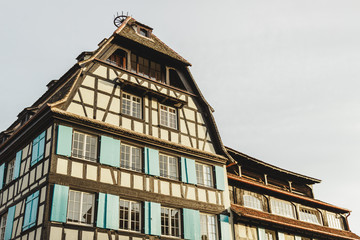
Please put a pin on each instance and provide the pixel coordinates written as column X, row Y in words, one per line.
column 118, row 19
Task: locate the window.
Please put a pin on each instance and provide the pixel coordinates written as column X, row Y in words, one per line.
column 80, row 208
column 143, row 32
column 282, row 208
column 130, row 215
column 84, row 146
column 247, row 232
column 31, row 208
column 208, row 227
column 38, row 147
column 204, row 175
column 170, row 222
column 169, row 167
column 10, row 171
column 131, row 105
column 168, row 117
column 270, row 235
column 251, row 200
column 130, row 157
column 334, row 220
column 118, row 58
column 146, row 68
column 310, row 215
column 2, row 226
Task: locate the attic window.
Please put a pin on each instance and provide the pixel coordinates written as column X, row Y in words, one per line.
column 144, row 32
column 118, row 58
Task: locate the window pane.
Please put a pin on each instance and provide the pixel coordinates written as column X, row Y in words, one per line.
column 84, row 146
column 80, row 207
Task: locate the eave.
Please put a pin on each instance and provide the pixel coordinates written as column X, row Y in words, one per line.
column 306, row 179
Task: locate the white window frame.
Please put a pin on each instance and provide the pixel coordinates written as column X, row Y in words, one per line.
column 204, row 175
column 166, row 115
column 168, row 166
column 252, row 201
column 170, row 227
column 80, row 208
column 129, row 220
column 281, row 208
column 135, row 108
column 310, row 215
column 87, row 137
column 207, row 223
column 3, row 220
column 335, row 220
column 10, row 171
column 131, row 157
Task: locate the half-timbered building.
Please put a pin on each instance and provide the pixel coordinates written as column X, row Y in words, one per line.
column 125, row 147
column 122, row 146
column 270, row 203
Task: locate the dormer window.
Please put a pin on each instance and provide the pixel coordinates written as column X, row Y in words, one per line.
column 143, row 32
column 118, row 58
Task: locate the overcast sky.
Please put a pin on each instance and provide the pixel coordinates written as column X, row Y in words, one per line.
column 282, row 75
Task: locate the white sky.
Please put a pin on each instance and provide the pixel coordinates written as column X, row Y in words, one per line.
column 282, row 75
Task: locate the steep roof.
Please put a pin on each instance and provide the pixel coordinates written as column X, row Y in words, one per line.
column 151, row 42
column 241, row 157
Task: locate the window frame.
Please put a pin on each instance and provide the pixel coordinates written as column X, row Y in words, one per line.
column 83, row 149
column 337, row 219
column 130, row 220
column 123, row 59
column 168, row 166
column 252, row 200
column 132, row 102
column 305, row 215
column 204, row 182
column 131, row 161
column 152, row 70
column 166, row 122
column 31, row 200
column 3, row 222
column 215, row 226
column 81, row 209
column 170, row 222
column 10, row 171
column 272, row 207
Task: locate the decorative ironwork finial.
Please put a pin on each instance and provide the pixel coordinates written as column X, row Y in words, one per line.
column 118, row 19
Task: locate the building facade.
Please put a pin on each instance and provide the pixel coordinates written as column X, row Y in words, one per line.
column 124, row 146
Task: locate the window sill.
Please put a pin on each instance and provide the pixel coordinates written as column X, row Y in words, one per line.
column 168, row 128
column 131, row 117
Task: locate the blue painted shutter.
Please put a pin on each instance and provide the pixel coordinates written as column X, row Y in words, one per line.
column 59, row 203
column 151, row 161
column 112, row 211
column 31, row 210
column 224, row 227
column 38, row 148
column 64, row 141
column 2, row 172
column 17, row 164
column 101, row 214
column 188, row 171
column 110, row 151
column 9, row 223
column 220, row 181
column 261, row 234
column 191, row 221
column 152, row 218
column 108, row 211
